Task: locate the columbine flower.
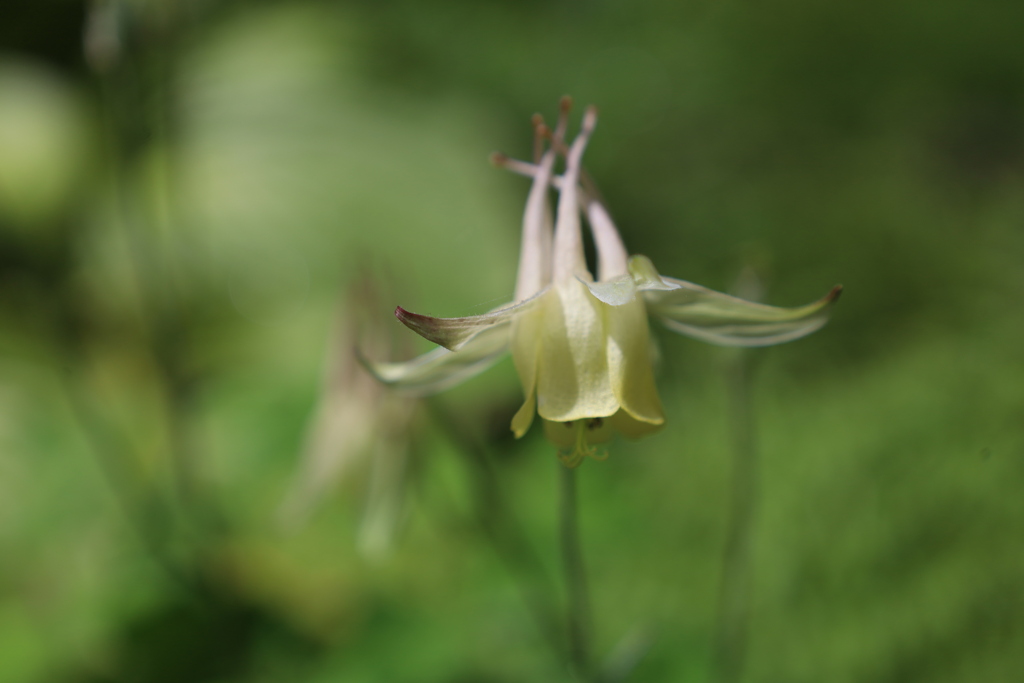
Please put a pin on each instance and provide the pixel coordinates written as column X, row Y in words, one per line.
column 581, row 346
column 356, row 426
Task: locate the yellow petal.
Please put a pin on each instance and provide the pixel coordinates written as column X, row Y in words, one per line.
column 525, row 345
column 629, row 361
column 523, row 418
column 572, row 376
column 632, row 428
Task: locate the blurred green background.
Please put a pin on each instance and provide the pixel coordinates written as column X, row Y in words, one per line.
column 188, row 189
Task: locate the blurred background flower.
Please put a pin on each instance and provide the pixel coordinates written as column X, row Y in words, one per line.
column 357, row 424
column 185, row 187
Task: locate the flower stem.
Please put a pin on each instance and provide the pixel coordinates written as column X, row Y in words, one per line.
column 499, row 526
column 578, row 615
column 734, row 598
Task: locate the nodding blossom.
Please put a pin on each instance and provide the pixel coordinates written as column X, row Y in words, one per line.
column 358, row 431
column 581, row 345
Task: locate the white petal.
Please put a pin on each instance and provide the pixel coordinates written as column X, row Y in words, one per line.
column 641, row 276
column 611, row 252
column 612, row 257
column 646, row 276
column 616, row 292
column 729, row 321
column 535, row 251
column 440, row 369
column 568, row 260
column 453, row 333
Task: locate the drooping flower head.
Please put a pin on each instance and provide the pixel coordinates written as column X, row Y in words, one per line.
column 358, row 430
column 581, row 345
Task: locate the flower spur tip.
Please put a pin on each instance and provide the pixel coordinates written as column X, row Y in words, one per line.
column 589, row 119
column 833, row 296
column 564, row 107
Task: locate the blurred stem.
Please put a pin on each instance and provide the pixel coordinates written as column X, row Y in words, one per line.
column 136, row 96
column 137, row 101
column 578, row 616
column 733, row 610
column 161, row 250
column 144, row 516
column 503, row 532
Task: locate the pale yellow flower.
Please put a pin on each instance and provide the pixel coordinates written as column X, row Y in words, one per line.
column 359, row 430
column 581, row 346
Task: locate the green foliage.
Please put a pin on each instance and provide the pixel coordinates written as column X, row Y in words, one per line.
column 175, row 230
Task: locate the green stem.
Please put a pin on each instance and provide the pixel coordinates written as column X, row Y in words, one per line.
column 500, row 528
column 578, row 616
column 145, row 515
column 731, row 636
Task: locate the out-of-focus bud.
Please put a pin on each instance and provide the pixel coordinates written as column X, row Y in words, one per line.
column 358, row 428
